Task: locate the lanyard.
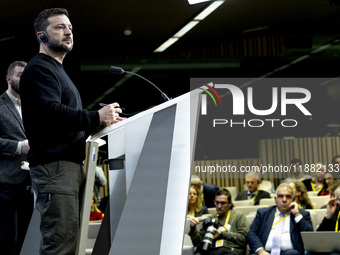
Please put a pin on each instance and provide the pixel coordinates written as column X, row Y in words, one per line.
column 257, row 192
column 191, row 214
column 226, row 221
column 314, row 187
column 337, row 223
column 279, row 220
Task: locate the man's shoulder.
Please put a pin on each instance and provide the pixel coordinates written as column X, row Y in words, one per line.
column 264, row 194
column 237, row 214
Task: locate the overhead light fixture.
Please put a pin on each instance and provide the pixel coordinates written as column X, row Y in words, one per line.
column 201, row 16
column 197, row 1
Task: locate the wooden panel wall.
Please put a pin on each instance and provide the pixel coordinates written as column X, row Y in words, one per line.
column 272, row 152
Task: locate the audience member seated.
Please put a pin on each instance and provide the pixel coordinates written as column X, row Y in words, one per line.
column 265, row 185
column 276, row 229
column 332, row 217
column 206, row 191
column 253, row 192
column 195, row 207
column 317, row 182
column 331, row 221
column 228, row 229
column 301, row 195
column 95, row 213
column 329, row 178
column 297, row 173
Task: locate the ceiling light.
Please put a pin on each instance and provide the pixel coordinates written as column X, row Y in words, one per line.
column 197, row 1
column 166, row 44
column 186, row 28
column 212, row 7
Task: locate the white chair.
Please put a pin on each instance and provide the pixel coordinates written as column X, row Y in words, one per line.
column 320, row 214
column 188, row 247
column 313, row 218
column 248, row 209
column 212, row 210
column 319, row 200
column 312, row 193
column 243, row 202
column 250, row 218
column 267, row 201
column 233, row 191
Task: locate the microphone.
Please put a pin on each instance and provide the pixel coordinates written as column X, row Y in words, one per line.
column 119, row 70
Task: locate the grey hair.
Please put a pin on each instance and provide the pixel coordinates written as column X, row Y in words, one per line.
column 287, row 186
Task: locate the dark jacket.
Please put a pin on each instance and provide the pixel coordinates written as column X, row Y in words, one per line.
column 262, row 224
column 55, row 123
column 11, row 132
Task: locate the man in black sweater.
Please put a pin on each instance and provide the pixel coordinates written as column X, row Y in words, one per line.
column 57, row 128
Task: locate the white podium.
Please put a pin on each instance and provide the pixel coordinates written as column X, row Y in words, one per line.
column 150, row 162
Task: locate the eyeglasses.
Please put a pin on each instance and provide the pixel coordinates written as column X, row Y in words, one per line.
column 221, row 203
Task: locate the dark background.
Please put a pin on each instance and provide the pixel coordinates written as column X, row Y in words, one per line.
column 241, row 38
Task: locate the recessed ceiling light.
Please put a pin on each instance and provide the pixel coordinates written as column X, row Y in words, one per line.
column 197, row 1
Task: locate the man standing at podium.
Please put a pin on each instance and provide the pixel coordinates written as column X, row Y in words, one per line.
column 57, row 128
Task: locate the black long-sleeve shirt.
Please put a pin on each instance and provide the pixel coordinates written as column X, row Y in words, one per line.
column 55, row 123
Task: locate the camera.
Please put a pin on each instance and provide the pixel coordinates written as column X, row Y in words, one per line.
column 208, row 225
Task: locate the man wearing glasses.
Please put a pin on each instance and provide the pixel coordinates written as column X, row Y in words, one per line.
column 224, row 233
column 276, row 229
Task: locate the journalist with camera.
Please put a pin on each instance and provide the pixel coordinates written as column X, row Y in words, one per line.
column 224, row 233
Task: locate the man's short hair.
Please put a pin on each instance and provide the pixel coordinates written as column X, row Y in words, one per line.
column 287, row 186
column 11, row 67
column 41, row 22
column 223, row 191
column 195, row 180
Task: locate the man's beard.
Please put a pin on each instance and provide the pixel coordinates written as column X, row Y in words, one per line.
column 60, row 48
column 15, row 87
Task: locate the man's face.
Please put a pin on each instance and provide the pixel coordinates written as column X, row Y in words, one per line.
column 252, row 184
column 13, row 80
column 59, row 33
column 222, row 205
column 283, row 199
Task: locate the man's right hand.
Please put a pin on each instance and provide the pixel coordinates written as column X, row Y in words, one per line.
column 262, row 252
column 331, row 207
column 110, row 113
column 24, row 147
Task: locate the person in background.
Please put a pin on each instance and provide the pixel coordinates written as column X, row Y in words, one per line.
column 297, row 173
column 228, row 231
column 276, row 229
column 195, row 208
column 57, row 128
column 317, row 183
column 95, row 213
column 206, row 191
column 253, row 192
column 99, row 181
column 301, row 195
column 331, row 221
column 16, row 197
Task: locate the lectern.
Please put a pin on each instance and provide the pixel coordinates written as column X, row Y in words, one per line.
column 150, row 162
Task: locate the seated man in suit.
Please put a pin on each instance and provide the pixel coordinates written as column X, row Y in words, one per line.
column 225, row 233
column 276, row 229
column 253, row 192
